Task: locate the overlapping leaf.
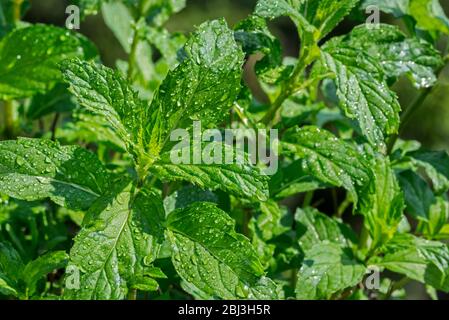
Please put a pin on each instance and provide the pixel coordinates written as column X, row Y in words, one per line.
column 238, row 177
column 211, row 256
column 33, row 169
column 327, row 270
column 436, row 165
column 19, row 279
column 363, row 92
column 328, row 159
column 428, row 14
column 203, row 87
column 382, row 203
column 325, row 15
column 419, row 259
column 397, row 54
column 314, row 227
column 315, row 16
column 29, row 59
column 418, row 196
column 293, row 179
column 105, row 93
column 114, row 250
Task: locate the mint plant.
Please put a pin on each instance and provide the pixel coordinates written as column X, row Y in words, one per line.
column 93, row 205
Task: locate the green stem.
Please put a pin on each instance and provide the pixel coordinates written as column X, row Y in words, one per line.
column 9, row 119
column 343, row 206
column 132, row 294
column 9, row 108
column 136, row 38
column 308, row 199
column 407, row 115
column 17, row 13
column 396, row 286
column 290, row 86
column 286, row 92
column 133, row 56
column 54, row 126
column 364, row 238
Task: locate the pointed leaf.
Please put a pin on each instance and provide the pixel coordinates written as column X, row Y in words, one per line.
column 327, row 270
column 382, row 203
column 237, row 178
column 363, row 93
column 40, row 267
column 419, row 259
column 33, row 169
column 397, row 54
column 436, row 165
column 105, row 93
column 11, row 266
column 328, row 159
column 29, row 59
column 203, row 87
column 314, row 227
column 418, row 196
column 210, row 255
column 121, row 237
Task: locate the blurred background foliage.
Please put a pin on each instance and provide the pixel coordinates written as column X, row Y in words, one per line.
column 430, row 125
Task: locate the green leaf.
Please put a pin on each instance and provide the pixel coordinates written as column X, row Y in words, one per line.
column 363, row 92
column 429, row 15
column 29, row 59
column 159, row 11
column 40, row 267
column 314, row 227
column 271, row 220
column 11, row 266
column 418, row 196
column 327, row 270
column 203, row 87
column 119, row 19
column 316, row 17
column 186, row 196
column 419, row 259
column 382, row 203
column 328, row 159
column 168, row 44
column 211, row 256
column 397, row 54
column 436, row 165
column 90, row 128
column 34, row 169
column 7, row 19
column 105, row 93
column 120, row 239
column 293, row 179
column 239, row 178
column 294, row 112
column 325, row 15
column 438, row 217
column 397, row 8
column 255, row 37
column 89, row 7
column 57, row 99
column 272, row 9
